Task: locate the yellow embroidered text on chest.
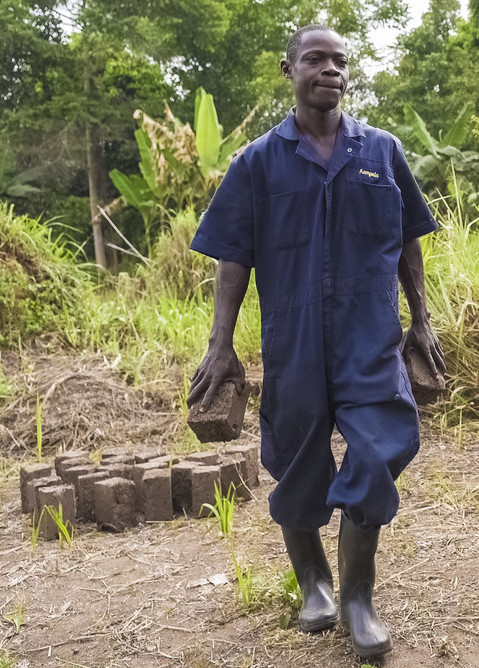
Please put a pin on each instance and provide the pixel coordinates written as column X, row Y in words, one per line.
column 372, row 175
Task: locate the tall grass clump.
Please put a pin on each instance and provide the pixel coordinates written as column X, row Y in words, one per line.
column 451, row 261
column 174, row 267
column 40, row 279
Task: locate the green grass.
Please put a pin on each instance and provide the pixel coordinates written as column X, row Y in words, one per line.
column 16, row 615
column 40, row 278
column 66, row 531
column 244, row 577
column 6, row 660
column 7, row 388
column 223, row 509
column 452, row 291
column 39, row 429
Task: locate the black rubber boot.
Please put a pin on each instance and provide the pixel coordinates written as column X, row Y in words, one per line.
column 357, row 548
column 319, row 610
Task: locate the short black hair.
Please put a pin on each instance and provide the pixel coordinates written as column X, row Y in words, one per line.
column 294, row 41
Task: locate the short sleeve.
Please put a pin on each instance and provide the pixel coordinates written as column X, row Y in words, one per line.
column 417, row 218
column 226, row 231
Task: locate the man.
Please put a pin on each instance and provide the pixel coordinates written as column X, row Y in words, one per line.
column 327, row 211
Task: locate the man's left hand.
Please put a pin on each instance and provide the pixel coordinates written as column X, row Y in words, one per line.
column 420, row 337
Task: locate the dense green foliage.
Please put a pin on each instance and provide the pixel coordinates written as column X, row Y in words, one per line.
column 85, row 67
column 436, row 72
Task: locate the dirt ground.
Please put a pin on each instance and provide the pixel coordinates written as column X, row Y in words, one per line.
column 165, row 594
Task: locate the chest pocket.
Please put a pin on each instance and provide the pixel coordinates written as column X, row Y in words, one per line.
column 285, row 221
column 369, row 208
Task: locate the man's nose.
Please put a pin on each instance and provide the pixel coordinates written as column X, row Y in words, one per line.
column 331, row 69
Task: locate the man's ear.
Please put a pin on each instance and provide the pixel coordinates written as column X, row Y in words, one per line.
column 286, row 68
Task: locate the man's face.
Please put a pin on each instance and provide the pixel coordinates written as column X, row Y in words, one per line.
column 320, row 73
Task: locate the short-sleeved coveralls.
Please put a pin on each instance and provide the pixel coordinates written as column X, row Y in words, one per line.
column 325, row 241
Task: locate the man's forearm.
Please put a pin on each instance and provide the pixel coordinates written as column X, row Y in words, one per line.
column 411, row 275
column 231, row 284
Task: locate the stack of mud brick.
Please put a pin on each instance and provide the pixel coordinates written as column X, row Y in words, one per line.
column 126, row 490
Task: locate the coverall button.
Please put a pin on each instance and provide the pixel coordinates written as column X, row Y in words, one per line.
column 350, row 150
column 397, row 396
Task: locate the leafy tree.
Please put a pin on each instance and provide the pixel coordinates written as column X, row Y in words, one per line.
column 244, row 68
column 437, row 72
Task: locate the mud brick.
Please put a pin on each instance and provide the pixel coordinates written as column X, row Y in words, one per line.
column 118, row 470
column 243, row 490
column 57, row 495
column 203, row 479
column 181, row 485
column 70, row 463
column 71, row 475
column 109, row 454
column 69, row 454
column 426, row 388
column 169, row 460
column 115, row 504
column 152, row 465
column 31, row 491
column 251, row 456
column 209, row 458
column 28, row 473
column 224, row 418
column 232, row 472
column 142, row 457
column 86, row 494
column 118, row 459
column 157, row 496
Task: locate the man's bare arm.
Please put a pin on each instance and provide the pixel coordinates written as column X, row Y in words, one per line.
column 420, row 335
column 221, row 363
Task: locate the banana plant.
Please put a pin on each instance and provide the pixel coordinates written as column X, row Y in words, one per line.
column 179, row 168
column 440, row 158
column 141, row 192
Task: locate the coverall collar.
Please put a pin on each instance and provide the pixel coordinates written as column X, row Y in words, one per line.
column 348, row 143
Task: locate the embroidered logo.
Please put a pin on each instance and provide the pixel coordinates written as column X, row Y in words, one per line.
column 372, row 175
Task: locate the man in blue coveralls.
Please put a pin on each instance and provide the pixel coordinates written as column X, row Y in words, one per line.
column 327, row 211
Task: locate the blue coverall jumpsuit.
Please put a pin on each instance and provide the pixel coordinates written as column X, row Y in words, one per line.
column 325, row 241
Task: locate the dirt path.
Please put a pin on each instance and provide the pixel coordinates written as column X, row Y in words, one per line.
column 166, row 595
column 144, row 598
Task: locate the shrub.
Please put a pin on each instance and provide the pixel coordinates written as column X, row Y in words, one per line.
column 39, row 279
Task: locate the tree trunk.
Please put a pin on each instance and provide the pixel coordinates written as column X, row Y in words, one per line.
column 95, row 179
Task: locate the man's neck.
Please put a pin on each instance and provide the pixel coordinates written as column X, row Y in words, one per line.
column 322, row 125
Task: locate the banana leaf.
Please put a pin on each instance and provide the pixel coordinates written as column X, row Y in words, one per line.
column 457, row 133
column 135, row 190
column 419, row 129
column 146, row 158
column 209, row 133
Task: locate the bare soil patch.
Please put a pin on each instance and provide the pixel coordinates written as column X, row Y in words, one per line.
column 165, row 594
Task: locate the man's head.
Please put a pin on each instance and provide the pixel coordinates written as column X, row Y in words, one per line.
column 317, row 64
column 294, row 41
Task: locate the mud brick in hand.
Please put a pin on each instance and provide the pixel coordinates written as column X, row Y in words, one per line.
column 224, row 418
column 426, row 387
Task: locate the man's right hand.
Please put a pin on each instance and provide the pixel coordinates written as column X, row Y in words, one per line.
column 218, row 367
column 221, row 363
